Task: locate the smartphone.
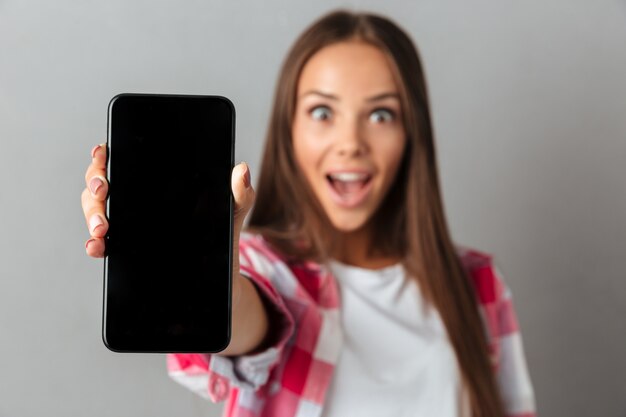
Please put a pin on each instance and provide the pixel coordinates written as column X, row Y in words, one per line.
column 168, row 260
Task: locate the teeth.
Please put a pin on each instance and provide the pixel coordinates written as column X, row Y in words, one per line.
column 348, row 176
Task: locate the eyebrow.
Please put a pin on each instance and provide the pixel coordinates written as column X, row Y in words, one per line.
column 377, row 97
column 384, row 96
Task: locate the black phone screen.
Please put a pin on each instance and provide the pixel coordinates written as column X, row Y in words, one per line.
column 168, row 261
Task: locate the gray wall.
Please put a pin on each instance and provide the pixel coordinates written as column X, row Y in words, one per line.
column 529, row 102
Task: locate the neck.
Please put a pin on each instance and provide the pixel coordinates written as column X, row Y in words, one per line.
column 352, row 250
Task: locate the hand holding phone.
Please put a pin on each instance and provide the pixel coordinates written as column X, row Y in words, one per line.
column 165, row 291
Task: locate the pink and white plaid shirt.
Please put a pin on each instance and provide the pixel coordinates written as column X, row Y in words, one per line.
column 291, row 377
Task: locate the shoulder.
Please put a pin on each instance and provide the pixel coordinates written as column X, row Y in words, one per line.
column 255, row 244
column 259, row 260
column 494, row 301
column 256, row 253
column 483, row 273
column 296, row 279
column 254, row 250
column 471, row 257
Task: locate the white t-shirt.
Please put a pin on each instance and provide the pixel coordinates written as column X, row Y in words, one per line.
column 396, row 359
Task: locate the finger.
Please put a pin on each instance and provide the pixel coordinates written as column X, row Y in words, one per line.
column 243, row 192
column 99, row 156
column 94, row 215
column 95, row 247
column 97, row 168
column 98, row 187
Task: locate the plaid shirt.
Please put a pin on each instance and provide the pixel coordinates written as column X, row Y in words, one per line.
column 291, row 376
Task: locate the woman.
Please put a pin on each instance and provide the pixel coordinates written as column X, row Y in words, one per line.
column 350, row 297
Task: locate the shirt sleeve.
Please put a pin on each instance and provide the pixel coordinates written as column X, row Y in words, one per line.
column 512, row 371
column 211, row 375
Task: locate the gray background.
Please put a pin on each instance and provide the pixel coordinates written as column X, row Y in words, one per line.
column 529, row 104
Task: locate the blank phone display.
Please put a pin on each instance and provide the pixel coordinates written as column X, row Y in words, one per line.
column 169, row 245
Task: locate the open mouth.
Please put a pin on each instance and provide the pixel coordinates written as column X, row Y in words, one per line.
column 348, row 185
column 349, row 189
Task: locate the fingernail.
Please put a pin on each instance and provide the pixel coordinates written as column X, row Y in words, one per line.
column 95, row 150
column 95, row 222
column 94, row 185
column 246, row 177
column 88, row 242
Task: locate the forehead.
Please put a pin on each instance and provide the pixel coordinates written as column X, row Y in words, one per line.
column 350, row 67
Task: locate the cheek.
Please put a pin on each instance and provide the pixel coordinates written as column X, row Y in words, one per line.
column 392, row 151
column 399, row 150
column 298, row 141
column 308, row 144
column 304, row 149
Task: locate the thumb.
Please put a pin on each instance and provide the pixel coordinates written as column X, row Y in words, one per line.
column 243, row 194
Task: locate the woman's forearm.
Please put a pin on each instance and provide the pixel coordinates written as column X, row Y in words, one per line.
column 249, row 319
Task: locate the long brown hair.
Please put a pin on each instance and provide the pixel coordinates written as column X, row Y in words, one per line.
column 410, row 223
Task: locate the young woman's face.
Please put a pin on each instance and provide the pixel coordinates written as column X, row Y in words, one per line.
column 348, row 134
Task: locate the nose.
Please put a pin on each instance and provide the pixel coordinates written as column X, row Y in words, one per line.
column 350, row 139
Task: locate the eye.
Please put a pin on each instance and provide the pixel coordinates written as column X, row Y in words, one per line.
column 320, row 113
column 382, row 115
